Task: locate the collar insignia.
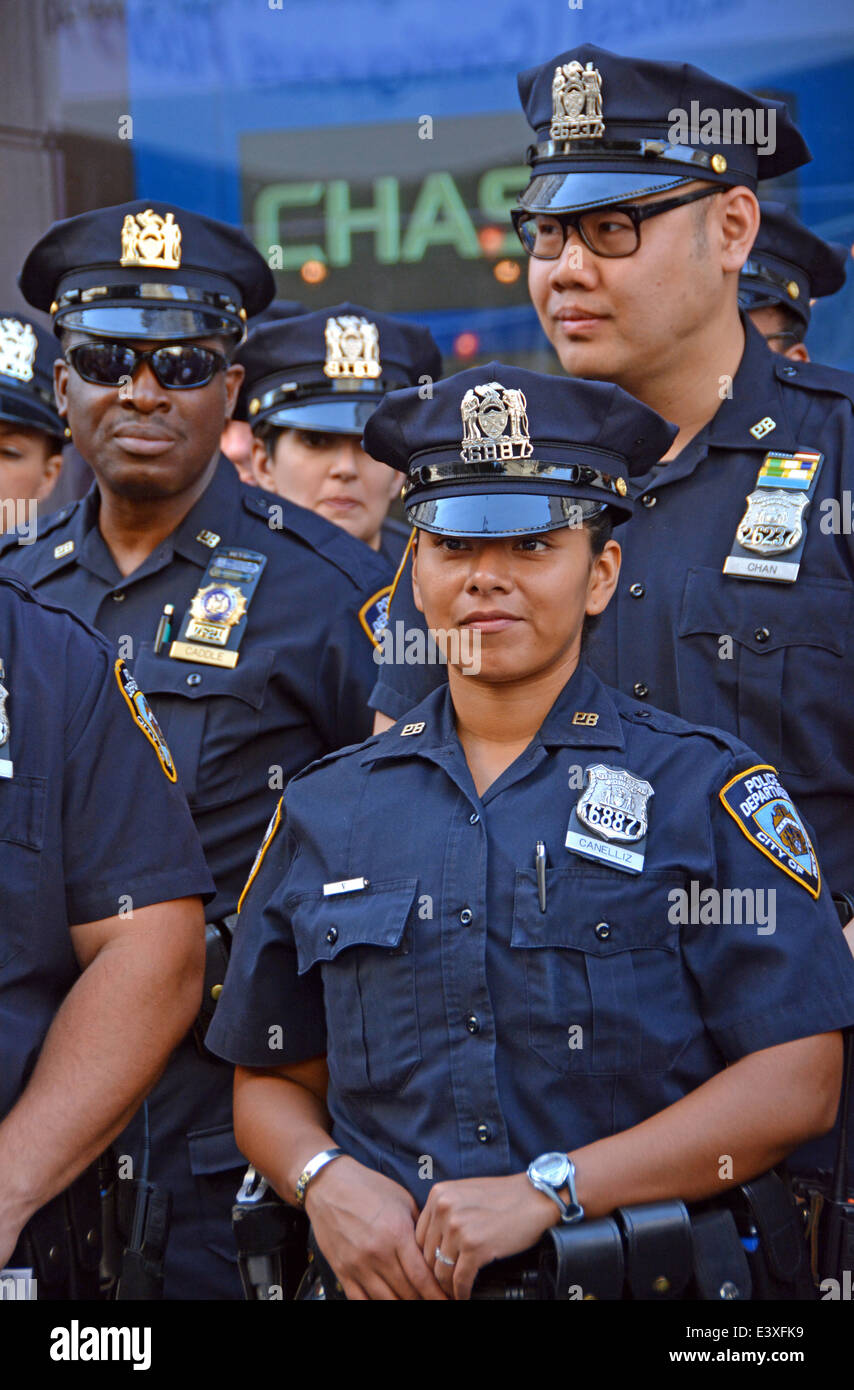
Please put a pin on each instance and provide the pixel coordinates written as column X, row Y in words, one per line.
column 576, row 103
column 495, row 424
column 17, row 349
column 150, row 241
column 352, row 348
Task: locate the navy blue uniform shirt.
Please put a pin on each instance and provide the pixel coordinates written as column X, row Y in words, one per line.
column 770, row 662
column 460, row 1021
column 299, row 689
column 85, row 779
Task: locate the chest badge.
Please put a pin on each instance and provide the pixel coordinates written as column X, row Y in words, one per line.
column 609, row 823
column 215, row 622
column 6, row 769
column 774, row 524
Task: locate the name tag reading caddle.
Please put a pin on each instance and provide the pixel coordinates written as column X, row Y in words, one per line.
column 215, row 622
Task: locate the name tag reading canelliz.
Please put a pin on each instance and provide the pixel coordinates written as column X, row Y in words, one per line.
column 215, row 622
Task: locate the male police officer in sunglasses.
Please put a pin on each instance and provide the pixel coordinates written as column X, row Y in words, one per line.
column 222, row 598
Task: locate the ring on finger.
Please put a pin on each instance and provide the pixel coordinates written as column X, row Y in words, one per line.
column 443, row 1259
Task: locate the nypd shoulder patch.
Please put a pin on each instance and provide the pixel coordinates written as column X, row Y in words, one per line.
column 764, row 812
column 373, row 614
column 144, row 718
column 275, row 822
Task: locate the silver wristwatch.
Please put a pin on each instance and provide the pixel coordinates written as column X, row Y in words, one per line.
column 549, row 1173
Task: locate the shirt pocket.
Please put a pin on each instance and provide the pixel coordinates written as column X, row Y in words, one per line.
column 23, row 801
column 605, row 992
column 208, row 715
column 364, row 946
column 781, row 678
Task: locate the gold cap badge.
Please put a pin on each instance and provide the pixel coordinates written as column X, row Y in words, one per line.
column 151, row 241
column 352, row 347
column 17, row 349
column 576, row 102
column 718, row 163
column 793, row 289
column 621, row 487
column 495, row 424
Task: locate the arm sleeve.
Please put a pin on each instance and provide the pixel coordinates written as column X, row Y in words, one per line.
column 128, row 838
column 780, row 968
column 267, row 1014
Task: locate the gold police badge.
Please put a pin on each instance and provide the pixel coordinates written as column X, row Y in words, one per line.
column 213, row 610
column 576, row 103
column 352, row 348
column 150, row 241
column 17, row 349
column 773, row 522
column 495, row 424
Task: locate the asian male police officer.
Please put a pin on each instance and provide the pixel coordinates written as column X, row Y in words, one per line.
column 101, row 929
column 225, row 606
column 463, row 1001
column 788, row 268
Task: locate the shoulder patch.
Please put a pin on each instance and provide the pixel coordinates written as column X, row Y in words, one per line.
column 143, row 717
column 764, row 812
column 269, row 833
column 373, row 614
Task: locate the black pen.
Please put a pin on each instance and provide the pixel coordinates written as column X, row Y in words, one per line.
column 540, row 863
column 164, row 627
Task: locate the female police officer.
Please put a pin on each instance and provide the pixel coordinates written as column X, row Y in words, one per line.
column 504, row 928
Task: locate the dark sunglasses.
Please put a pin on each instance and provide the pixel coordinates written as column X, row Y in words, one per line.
column 180, row 367
column 607, row 231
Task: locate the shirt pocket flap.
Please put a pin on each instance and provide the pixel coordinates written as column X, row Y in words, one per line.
column 323, row 927
column 214, row 1151
column 247, row 681
column 22, row 810
column 766, row 617
column 594, row 913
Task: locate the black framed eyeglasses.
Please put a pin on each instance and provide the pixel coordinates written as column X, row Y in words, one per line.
column 607, row 231
column 179, row 367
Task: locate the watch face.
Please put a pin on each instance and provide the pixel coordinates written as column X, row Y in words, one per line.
column 553, row 1168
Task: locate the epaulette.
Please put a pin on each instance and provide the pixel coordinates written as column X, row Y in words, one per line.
column 815, row 376
column 44, row 526
column 362, row 566
column 334, row 756
column 11, row 579
column 665, row 723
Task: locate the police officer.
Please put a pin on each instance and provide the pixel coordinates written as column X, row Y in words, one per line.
column 236, row 442
column 225, row 603
column 788, row 268
column 311, row 384
column 470, row 953
column 30, row 429
column 101, row 928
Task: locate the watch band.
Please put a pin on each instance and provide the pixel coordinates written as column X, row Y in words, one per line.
column 311, row 1170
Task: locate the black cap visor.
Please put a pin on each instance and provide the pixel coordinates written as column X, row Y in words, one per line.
column 502, row 513
column 16, row 408
column 571, row 192
column 161, row 323
column 340, row 416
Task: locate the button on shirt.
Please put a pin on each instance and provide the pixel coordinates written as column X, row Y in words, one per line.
column 84, row 778
column 770, row 662
column 460, row 1021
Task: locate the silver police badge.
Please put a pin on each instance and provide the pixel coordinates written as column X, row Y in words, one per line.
column 773, row 522
column 614, row 804
column 576, row 102
column 17, row 350
column 495, row 424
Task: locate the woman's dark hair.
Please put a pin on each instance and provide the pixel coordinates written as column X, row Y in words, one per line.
column 599, row 530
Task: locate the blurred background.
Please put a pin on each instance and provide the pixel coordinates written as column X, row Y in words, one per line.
column 371, row 150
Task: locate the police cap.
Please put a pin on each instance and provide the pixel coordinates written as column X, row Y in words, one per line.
column 610, row 128
column 330, row 369
column 147, row 270
column 789, row 265
column 500, row 451
column 27, row 355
